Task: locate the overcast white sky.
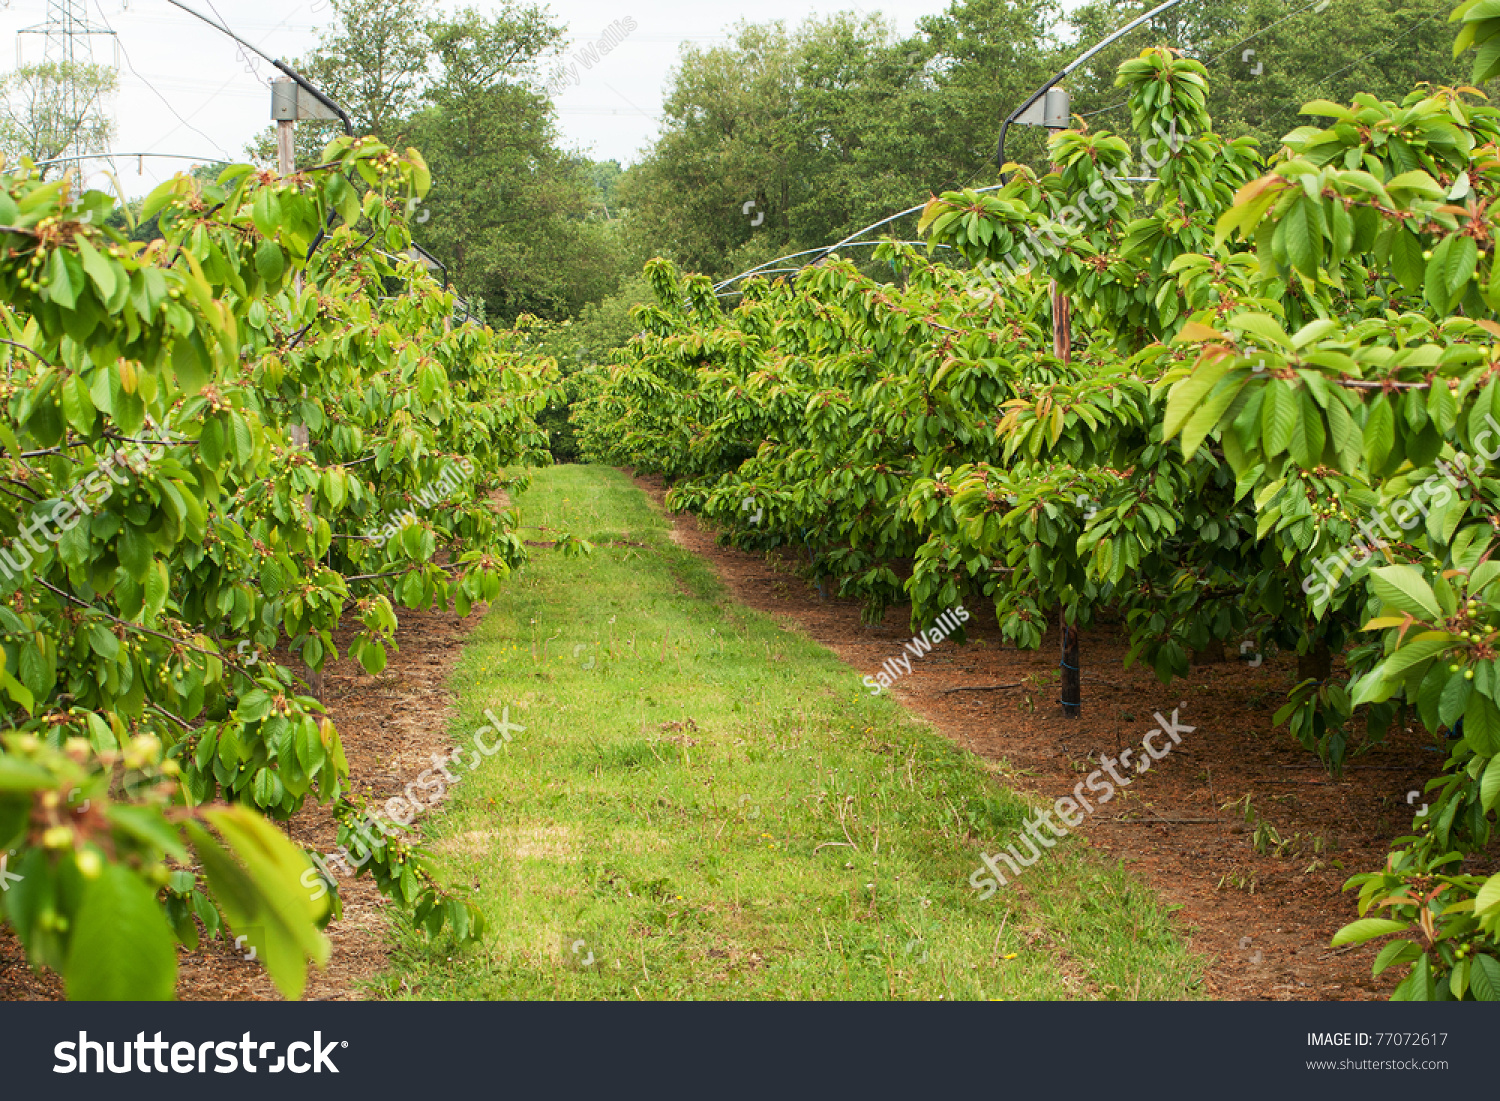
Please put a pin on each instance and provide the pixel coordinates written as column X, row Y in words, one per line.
column 171, row 62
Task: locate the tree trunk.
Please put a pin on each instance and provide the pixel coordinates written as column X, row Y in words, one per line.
column 1212, row 654
column 1316, row 665
column 1062, row 325
column 1072, row 685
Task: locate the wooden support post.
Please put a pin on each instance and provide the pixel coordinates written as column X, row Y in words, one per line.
column 1062, row 325
column 286, row 165
column 286, row 147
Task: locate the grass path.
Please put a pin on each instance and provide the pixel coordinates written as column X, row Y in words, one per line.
column 703, row 804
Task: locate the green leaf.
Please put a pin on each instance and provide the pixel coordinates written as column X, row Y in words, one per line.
column 59, row 282
column 265, row 211
column 270, row 262
column 18, row 692
column 103, row 641
column 1404, row 589
column 1463, row 258
column 1483, row 574
column 19, row 775
column 1454, row 699
column 267, row 788
column 1189, row 392
column 133, row 548
column 1304, row 245
column 1489, row 785
column 1278, row 416
column 1484, row 978
column 37, row 673
column 1379, row 433
column 98, row 268
column 1409, row 656
column 121, row 948
column 1308, row 434
column 1482, row 725
column 1416, row 180
column 1364, row 929
column 157, row 586
column 159, row 197
column 262, row 896
column 78, row 406
column 1206, row 419
column 1488, row 897
column 1395, row 952
column 373, row 658
column 211, row 443
column 146, row 825
column 1407, row 262
column 1266, row 327
column 191, row 363
column 15, row 817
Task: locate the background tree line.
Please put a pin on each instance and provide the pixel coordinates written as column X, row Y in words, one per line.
column 826, row 127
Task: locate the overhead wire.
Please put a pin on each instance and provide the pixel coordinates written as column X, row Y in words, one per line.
column 221, row 89
column 174, row 21
column 173, row 84
column 849, row 240
column 1217, row 57
column 131, row 66
column 1252, row 37
column 119, row 153
column 760, row 270
column 250, row 66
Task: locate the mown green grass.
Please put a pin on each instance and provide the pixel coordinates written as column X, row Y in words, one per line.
column 694, row 862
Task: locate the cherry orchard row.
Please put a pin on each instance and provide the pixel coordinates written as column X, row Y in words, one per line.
column 143, row 748
column 924, row 441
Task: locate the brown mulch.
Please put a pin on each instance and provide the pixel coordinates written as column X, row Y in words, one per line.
column 1262, row 919
column 390, row 724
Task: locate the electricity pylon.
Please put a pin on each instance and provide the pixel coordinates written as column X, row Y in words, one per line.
column 68, row 52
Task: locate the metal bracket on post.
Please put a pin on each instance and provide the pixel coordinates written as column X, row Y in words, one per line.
column 1044, row 91
column 1054, row 111
column 290, row 102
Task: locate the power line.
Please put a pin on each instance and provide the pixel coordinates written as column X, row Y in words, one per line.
column 69, row 42
column 250, row 66
column 170, row 84
column 632, row 111
column 173, row 21
column 761, row 270
column 230, row 81
column 130, row 65
column 1319, row 82
column 849, row 240
column 663, row 39
column 1078, row 61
